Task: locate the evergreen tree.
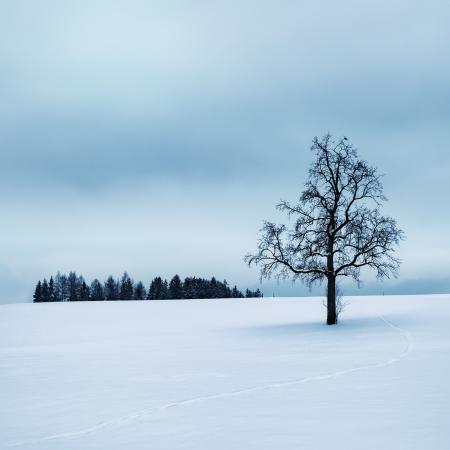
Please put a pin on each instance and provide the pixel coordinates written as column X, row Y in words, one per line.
column 45, row 291
column 175, row 288
column 111, row 289
column 213, row 289
column 84, row 292
column 51, row 289
column 37, row 297
column 227, row 290
column 235, row 293
column 190, row 288
column 151, row 293
column 74, row 287
column 154, row 289
column 253, row 294
column 97, row 292
column 201, row 286
column 139, row 291
column 164, row 294
column 126, row 288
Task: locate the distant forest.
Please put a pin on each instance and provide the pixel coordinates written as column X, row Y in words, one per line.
column 73, row 287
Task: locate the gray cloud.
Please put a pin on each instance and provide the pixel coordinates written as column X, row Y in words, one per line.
column 111, row 99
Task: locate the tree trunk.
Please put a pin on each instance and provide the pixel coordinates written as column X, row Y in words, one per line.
column 331, row 277
column 331, row 301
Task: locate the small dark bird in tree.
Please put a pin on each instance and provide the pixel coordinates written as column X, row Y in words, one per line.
column 338, row 227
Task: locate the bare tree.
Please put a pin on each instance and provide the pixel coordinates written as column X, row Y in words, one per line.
column 338, row 226
column 341, row 304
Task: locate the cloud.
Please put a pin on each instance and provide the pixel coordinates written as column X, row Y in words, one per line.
column 112, row 99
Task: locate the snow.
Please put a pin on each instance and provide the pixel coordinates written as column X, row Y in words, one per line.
column 226, row 374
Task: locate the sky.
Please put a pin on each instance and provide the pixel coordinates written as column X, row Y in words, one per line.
column 156, row 136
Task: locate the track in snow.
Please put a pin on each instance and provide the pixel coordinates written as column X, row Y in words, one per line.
column 149, row 411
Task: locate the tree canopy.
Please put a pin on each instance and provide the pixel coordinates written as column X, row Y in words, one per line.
column 337, row 226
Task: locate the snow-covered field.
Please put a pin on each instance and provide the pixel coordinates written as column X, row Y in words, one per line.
column 226, row 374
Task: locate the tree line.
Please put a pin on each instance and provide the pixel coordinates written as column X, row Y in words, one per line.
column 73, row 287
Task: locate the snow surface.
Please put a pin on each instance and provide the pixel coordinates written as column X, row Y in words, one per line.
column 226, row 374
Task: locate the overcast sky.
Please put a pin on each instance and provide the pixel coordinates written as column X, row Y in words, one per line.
column 155, row 136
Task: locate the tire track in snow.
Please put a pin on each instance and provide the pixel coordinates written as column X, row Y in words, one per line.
column 149, row 411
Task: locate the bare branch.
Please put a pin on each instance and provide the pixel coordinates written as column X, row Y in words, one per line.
column 338, row 228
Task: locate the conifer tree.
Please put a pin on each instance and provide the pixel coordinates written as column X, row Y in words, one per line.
column 190, row 289
column 139, row 291
column 236, row 293
column 227, row 290
column 84, row 292
column 73, row 288
column 164, row 294
column 126, row 288
column 45, row 291
column 253, row 294
column 175, row 288
column 154, row 291
column 96, row 291
column 51, row 289
column 213, row 289
column 37, row 297
column 72, row 281
column 111, row 289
